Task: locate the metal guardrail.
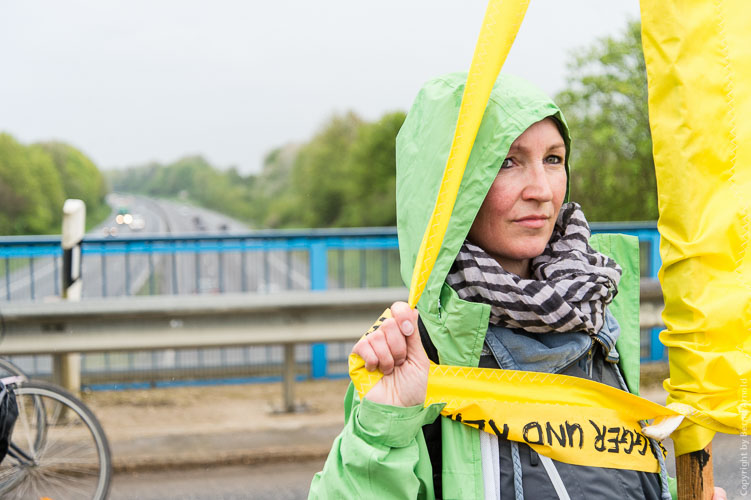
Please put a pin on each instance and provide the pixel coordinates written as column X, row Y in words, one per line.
column 143, row 323
column 262, row 261
column 165, row 322
column 150, row 323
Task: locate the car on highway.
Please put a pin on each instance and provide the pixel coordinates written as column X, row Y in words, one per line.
column 137, row 224
column 123, row 216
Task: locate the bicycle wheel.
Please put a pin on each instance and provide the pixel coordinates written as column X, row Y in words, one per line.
column 58, row 448
column 8, row 368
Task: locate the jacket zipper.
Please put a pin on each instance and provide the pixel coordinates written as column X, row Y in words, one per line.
column 590, row 355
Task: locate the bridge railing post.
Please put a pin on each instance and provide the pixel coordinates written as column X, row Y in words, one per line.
column 289, row 378
column 319, row 272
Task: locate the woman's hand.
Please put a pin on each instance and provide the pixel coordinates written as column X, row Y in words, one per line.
column 395, row 348
column 719, row 494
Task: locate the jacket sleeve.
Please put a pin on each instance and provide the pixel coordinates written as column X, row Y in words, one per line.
column 380, row 453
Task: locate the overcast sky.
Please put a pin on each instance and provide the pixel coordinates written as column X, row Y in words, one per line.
column 133, row 81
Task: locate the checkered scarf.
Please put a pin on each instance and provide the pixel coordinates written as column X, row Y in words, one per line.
column 571, row 283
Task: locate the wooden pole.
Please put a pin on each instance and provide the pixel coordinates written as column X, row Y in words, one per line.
column 694, row 475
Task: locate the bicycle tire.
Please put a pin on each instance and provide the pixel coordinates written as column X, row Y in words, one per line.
column 8, row 368
column 71, row 459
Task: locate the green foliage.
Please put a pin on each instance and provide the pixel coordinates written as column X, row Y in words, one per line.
column 343, row 176
column 371, row 197
column 272, row 198
column 606, row 107
column 80, row 179
column 35, row 181
column 320, row 176
column 22, row 206
column 192, row 177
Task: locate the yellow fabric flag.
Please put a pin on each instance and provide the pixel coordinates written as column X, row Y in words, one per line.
column 698, row 57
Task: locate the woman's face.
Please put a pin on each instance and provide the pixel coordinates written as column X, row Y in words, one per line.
column 517, row 217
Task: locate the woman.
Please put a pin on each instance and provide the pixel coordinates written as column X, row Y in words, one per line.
column 515, row 286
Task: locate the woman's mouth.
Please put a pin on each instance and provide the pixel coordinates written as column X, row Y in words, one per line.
column 533, row 221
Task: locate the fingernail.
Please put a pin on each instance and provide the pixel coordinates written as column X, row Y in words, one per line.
column 407, row 328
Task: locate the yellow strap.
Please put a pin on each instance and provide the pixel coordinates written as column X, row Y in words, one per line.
column 499, row 28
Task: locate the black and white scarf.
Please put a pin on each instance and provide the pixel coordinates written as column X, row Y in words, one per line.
column 570, row 286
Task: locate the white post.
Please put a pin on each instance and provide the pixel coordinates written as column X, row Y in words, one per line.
column 67, row 366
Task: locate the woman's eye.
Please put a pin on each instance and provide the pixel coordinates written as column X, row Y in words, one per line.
column 554, row 159
column 507, row 163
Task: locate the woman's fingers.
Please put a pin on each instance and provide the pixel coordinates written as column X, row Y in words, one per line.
column 395, row 340
column 396, row 349
column 362, row 348
column 386, row 347
column 380, row 346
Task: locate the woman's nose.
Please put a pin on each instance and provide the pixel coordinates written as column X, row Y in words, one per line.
column 538, row 186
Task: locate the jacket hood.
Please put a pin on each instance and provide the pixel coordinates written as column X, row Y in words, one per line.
column 422, row 148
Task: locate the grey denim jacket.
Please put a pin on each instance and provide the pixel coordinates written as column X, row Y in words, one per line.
column 547, row 352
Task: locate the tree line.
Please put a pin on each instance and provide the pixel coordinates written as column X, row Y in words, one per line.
column 35, row 181
column 344, row 176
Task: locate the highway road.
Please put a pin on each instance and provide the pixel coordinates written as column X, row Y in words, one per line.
column 46, row 271
column 276, row 481
column 181, row 273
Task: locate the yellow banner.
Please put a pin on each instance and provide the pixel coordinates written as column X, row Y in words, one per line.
column 569, row 419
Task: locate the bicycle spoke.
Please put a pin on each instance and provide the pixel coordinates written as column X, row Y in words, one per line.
column 71, row 456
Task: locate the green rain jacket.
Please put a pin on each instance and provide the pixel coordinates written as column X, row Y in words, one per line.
column 381, row 452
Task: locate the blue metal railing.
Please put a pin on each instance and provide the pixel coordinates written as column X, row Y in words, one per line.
column 261, row 261
column 314, row 248
column 318, row 245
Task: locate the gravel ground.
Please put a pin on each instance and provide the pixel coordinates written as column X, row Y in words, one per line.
column 129, row 413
